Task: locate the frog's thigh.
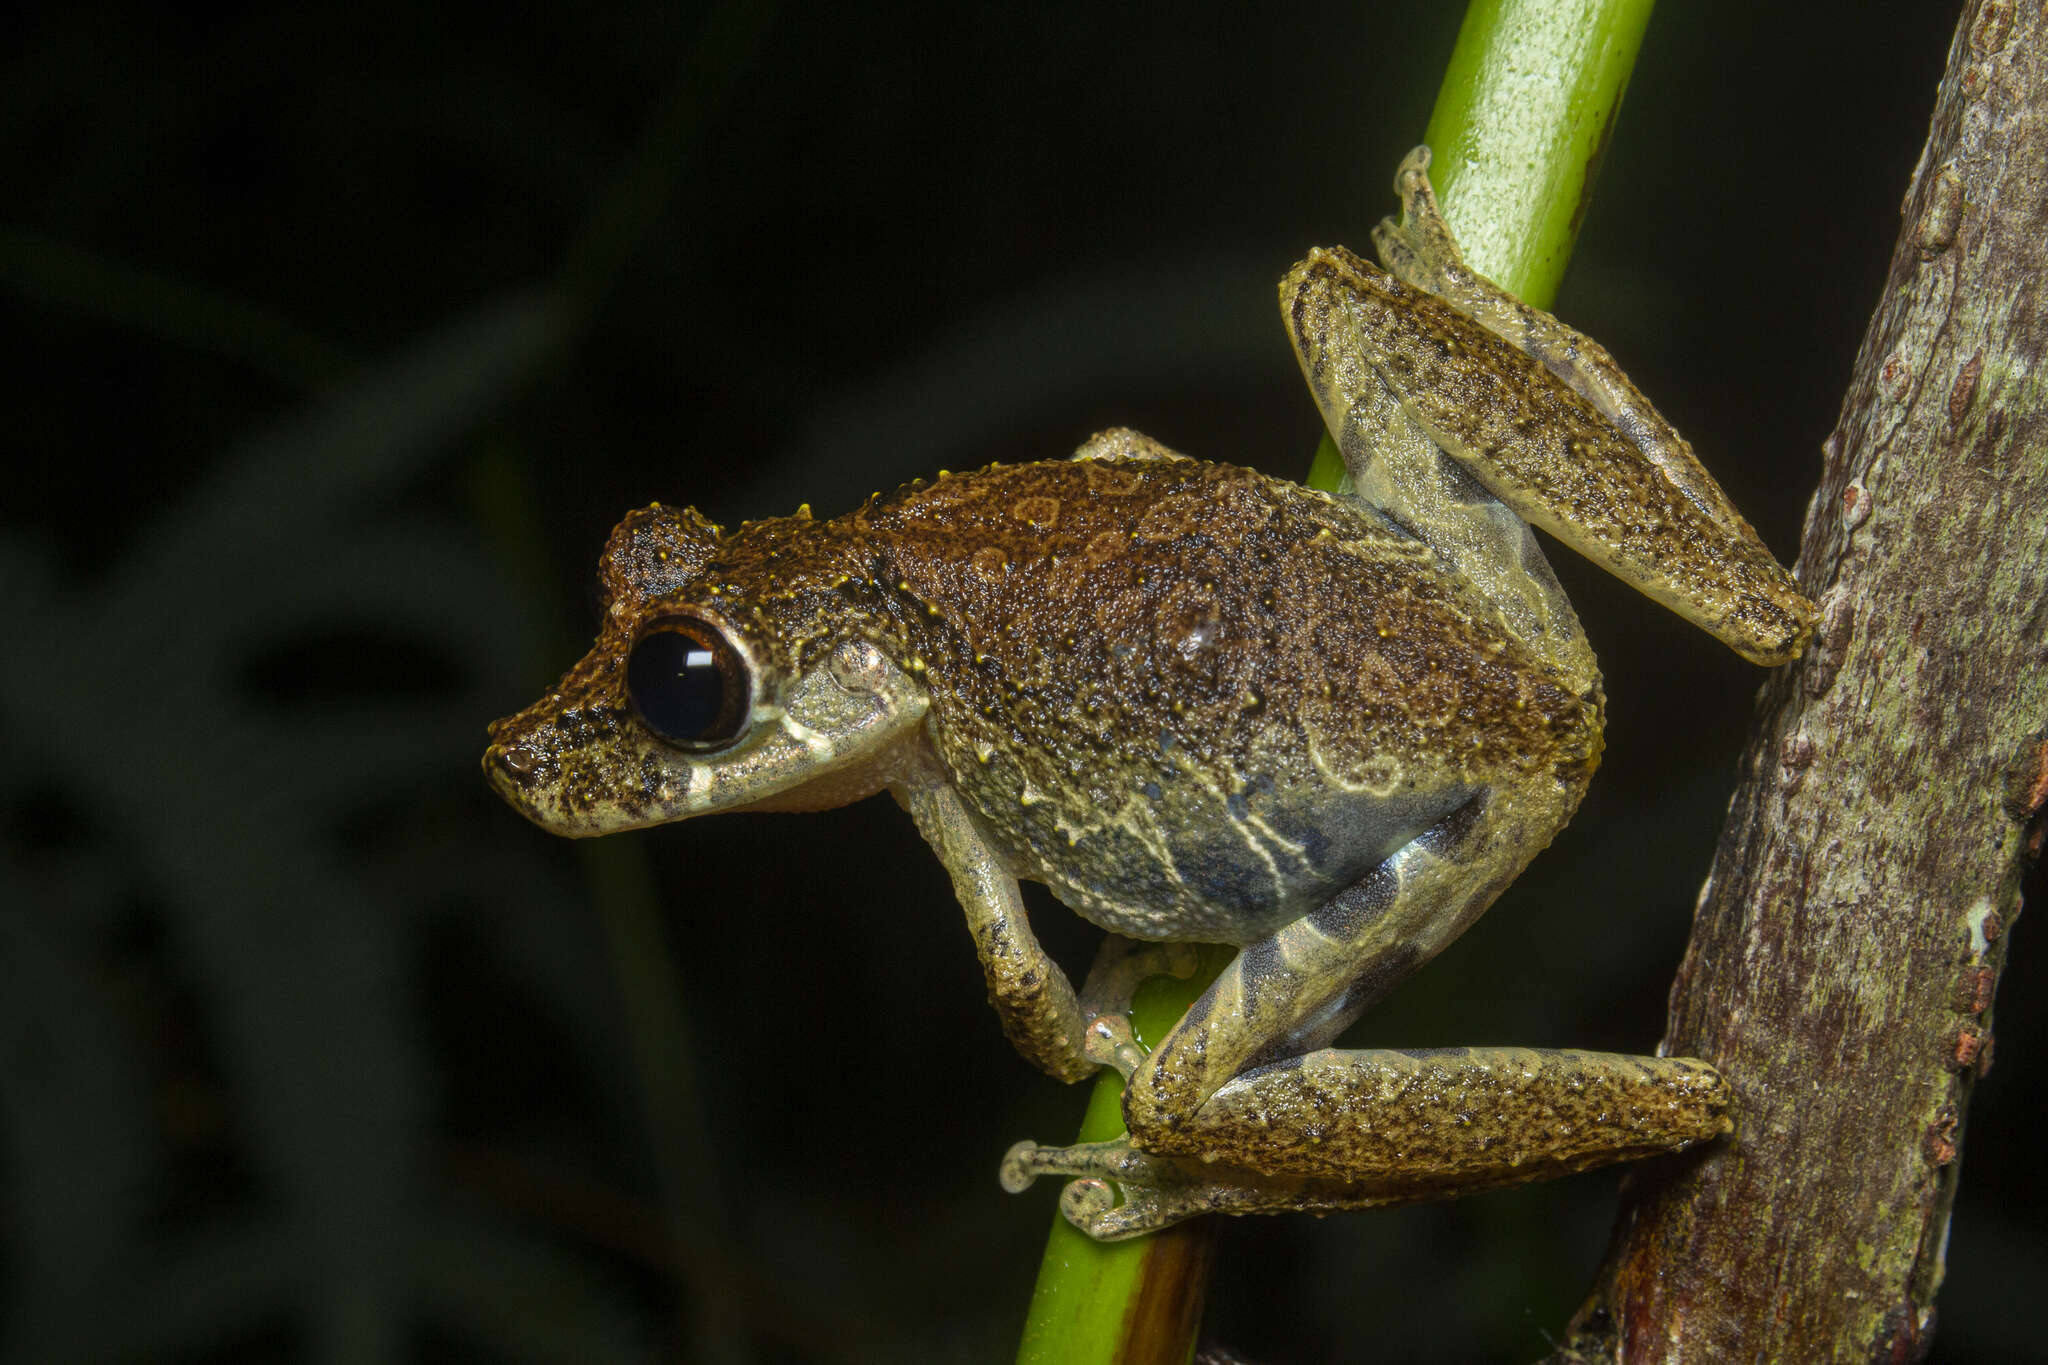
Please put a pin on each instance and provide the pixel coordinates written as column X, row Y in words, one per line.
column 1031, row 995
column 1231, row 1083
column 1396, row 467
column 1296, row 989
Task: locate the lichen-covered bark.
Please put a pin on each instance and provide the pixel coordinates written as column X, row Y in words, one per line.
column 1848, row 942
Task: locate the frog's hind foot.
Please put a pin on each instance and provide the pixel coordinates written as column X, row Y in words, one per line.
column 1418, row 248
column 1420, row 251
column 1120, row 1192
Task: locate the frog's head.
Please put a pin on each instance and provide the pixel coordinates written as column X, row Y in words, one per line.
column 730, row 671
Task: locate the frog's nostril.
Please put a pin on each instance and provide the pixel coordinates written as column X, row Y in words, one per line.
column 510, row 767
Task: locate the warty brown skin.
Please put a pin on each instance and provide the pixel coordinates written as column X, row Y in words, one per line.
column 1119, row 656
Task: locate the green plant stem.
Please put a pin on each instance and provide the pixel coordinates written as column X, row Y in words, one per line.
column 1135, row 1302
column 1522, row 119
column 1521, row 123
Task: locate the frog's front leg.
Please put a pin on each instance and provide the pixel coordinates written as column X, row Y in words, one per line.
column 1244, row 1109
column 1065, row 1037
column 1031, row 995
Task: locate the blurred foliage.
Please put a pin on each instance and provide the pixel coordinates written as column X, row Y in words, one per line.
column 342, row 336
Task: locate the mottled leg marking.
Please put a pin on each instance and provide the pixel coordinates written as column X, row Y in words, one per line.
column 1031, row 995
column 1542, row 418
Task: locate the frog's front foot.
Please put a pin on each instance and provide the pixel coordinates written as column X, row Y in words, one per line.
column 1109, row 1041
column 1120, row 1192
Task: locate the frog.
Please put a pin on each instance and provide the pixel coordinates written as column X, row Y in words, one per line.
column 1205, row 706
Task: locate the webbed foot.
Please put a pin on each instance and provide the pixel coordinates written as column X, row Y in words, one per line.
column 1121, row 1192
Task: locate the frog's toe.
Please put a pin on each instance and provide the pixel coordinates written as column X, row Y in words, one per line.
column 1119, row 1192
column 1087, row 1202
column 1027, row 1161
column 1094, row 1207
column 1111, row 1212
column 1415, row 164
column 1108, row 1041
column 1021, row 1167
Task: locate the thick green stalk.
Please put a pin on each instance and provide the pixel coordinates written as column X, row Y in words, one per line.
column 1527, row 102
column 1521, row 122
column 1520, row 125
column 1135, row 1302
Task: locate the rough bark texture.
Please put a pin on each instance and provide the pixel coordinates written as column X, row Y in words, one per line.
column 1848, row 942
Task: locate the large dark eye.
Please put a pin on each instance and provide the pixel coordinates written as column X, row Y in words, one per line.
column 689, row 684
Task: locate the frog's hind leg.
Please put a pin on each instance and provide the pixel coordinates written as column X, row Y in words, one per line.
column 1612, row 479
column 1396, row 467
column 1031, row 995
column 1381, row 1128
column 1244, row 1109
column 1419, row 250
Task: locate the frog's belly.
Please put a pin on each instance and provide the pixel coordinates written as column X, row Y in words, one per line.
column 1231, row 870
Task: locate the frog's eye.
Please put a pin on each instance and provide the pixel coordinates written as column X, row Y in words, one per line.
column 688, row 683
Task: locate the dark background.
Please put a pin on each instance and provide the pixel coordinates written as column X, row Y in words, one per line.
column 342, row 334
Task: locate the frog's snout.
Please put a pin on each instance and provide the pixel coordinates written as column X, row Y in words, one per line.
column 528, row 779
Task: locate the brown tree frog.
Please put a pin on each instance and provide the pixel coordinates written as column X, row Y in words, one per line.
column 1208, row 706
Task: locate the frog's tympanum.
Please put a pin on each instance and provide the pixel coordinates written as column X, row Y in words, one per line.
column 1207, row 706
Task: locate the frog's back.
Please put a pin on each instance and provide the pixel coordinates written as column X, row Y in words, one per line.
column 1196, row 700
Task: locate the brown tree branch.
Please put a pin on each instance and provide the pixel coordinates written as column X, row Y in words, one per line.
column 1849, row 939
